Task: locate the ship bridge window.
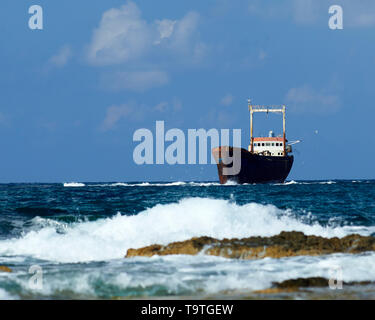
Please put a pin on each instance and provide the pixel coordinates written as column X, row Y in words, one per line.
column 262, row 144
column 277, row 144
column 255, row 144
column 273, row 144
column 281, row 144
column 267, row 144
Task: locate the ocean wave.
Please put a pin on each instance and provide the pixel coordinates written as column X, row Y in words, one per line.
column 141, row 184
column 110, row 238
column 287, row 183
column 195, row 183
column 163, row 184
column 73, row 184
column 4, row 295
column 187, row 276
column 188, row 183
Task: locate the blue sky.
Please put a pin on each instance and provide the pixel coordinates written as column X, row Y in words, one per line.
column 73, row 93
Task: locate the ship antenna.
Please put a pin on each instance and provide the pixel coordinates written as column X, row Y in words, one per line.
column 251, row 126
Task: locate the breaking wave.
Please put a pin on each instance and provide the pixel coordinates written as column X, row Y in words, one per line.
column 191, row 217
column 287, row 183
column 73, row 184
column 151, row 184
column 188, row 183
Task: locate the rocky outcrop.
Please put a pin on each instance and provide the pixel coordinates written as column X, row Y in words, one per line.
column 286, row 244
column 302, row 283
column 5, row 269
column 293, row 285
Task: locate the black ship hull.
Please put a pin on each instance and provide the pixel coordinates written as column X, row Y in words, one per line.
column 254, row 168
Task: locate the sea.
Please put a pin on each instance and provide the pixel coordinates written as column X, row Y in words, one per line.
column 69, row 240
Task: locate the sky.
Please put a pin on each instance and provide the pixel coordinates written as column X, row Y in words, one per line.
column 73, row 94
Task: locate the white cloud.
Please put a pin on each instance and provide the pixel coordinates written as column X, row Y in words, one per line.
column 135, row 80
column 115, row 114
column 62, row 57
column 305, row 99
column 227, row 100
column 145, row 50
column 183, row 31
column 123, row 36
column 183, row 42
column 132, row 111
column 165, row 28
column 174, row 106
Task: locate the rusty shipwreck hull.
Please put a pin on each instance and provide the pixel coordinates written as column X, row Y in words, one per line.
column 254, row 168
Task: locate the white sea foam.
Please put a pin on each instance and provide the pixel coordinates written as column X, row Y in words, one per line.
column 5, row 295
column 189, row 183
column 73, row 184
column 192, row 217
column 290, row 182
column 202, row 275
column 327, row 182
column 207, row 184
column 287, row 183
column 162, row 184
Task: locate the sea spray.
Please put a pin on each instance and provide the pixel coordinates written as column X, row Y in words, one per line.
column 110, row 238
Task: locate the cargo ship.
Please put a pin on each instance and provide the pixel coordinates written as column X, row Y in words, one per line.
column 268, row 159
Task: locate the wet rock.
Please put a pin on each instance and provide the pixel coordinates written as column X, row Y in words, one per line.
column 293, row 285
column 192, row 247
column 286, row 244
column 5, row 269
column 302, row 283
